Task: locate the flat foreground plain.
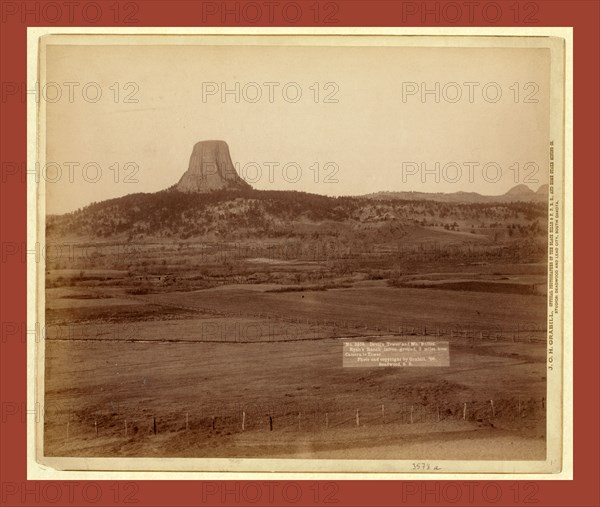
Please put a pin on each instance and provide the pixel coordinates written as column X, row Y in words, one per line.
column 243, row 371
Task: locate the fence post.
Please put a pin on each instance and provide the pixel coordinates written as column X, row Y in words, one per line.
column 357, row 418
column 493, row 411
column 125, row 427
column 243, row 420
column 465, row 412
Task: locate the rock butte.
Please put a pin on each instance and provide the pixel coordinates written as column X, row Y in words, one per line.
column 210, row 168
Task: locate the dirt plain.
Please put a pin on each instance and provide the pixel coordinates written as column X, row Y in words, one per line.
column 242, row 370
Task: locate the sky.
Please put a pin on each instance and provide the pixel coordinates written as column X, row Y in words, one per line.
column 360, row 125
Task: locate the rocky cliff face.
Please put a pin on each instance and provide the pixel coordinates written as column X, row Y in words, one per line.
column 210, row 168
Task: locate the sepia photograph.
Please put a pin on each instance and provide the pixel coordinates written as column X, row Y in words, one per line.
column 300, row 253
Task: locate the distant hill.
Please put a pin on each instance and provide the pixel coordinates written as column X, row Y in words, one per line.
column 211, row 202
column 519, row 193
column 521, row 190
column 234, row 215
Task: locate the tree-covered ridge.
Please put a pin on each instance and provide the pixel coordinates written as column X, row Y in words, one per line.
column 260, row 213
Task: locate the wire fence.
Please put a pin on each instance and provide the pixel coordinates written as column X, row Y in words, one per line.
column 116, row 423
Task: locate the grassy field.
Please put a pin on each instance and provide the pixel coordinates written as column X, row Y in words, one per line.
column 192, row 363
column 373, row 305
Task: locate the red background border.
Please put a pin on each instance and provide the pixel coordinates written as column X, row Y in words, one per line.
column 583, row 491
